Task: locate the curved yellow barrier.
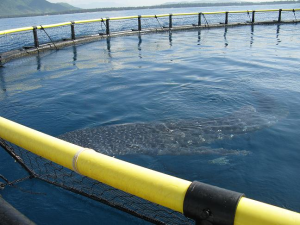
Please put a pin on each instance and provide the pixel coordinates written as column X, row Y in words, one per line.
column 15, row 30
column 148, row 184
column 134, row 17
column 90, row 21
column 54, row 25
column 168, row 191
column 124, row 18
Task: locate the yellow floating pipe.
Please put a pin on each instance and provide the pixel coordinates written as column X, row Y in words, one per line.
column 267, row 10
column 245, row 11
column 54, row 25
column 90, row 21
column 153, row 186
column 145, row 183
column 162, row 15
column 147, row 16
column 124, row 18
column 207, row 13
column 15, row 30
column 184, row 14
column 290, row 10
column 250, row 212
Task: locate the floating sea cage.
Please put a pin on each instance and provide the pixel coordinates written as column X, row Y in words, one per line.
column 19, row 42
column 149, row 195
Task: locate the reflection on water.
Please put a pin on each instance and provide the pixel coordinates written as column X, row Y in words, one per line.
column 225, row 37
column 74, row 55
column 277, row 34
column 170, row 38
column 60, row 61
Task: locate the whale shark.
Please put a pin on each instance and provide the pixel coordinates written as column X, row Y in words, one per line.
column 175, row 137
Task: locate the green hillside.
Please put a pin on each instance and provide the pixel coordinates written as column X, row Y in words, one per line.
column 24, row 7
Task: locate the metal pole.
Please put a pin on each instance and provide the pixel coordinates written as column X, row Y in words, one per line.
column 73, row 30
column 107, row 26
column 170, row 21
column 199, row 19
column 139, row 23
column 226, row 18
column 35, row 36
column 279, row 16
column 253, row 16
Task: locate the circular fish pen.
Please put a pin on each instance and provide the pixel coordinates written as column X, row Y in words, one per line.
column 182, row 103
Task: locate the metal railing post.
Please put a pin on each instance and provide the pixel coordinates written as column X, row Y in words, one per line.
column 73, row 30
column 253, row 16
column 139, row 23
column 35, row 36
column 170, row 21
column 226, row 18
column 199, row 19
column 279, row 15
column 107, row 26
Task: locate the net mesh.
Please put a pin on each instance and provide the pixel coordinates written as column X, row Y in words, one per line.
column 60, row 176
column 266, row 16
column 185, row 20
column 290, row 15
column 15, row 41
column 86, row 29
column 240, row 17
column 123, row 25
column 54, row 34
column 155, row 23
column 213, row 19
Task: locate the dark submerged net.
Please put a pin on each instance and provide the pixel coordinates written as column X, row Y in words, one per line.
column 50, row 172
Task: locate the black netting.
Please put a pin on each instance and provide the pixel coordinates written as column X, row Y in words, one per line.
column 54, row 34
column 213, row 19
column 55, row 174
column 185, row 20
column 86, row 29
column 123, row 25
column 240, row 17
column 15, row 41
column 266, row 16
column 290, row 15
column 155, row 23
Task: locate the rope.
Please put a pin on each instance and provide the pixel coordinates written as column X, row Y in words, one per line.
column 249, row 16
column 102, row 22
column 13, row 184
column 42, row 28
column 294, row 14
column 159, row 23
column 205, row 19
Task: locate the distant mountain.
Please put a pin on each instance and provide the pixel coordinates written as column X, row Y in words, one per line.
column 24, row 7
column 99, row 4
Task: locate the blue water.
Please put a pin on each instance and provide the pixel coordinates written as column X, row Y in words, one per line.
column 159, row 77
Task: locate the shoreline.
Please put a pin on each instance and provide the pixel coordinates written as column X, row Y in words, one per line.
column 183, row 5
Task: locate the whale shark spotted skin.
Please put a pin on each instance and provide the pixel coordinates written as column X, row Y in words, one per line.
column 179, row 137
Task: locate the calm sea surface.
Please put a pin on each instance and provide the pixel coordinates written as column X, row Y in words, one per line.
column 208, row 73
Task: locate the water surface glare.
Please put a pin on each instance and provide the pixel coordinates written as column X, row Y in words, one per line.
column 241, row 84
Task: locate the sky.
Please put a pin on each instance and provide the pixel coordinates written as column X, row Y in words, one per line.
column 120, row 3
